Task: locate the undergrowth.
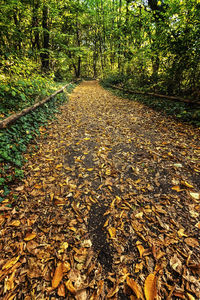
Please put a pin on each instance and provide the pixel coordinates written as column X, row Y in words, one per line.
column 185, row 112
column 16, row 137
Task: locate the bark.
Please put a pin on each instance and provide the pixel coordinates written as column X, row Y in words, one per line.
column 35, row 24
column 45, row 25
column 25, row 111
column 18, row 29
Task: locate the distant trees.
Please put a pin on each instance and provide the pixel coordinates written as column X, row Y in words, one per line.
column 155, row 42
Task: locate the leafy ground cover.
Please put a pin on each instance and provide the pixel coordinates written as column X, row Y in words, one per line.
column 186, row 112
column 108, row 208
column 15, row 138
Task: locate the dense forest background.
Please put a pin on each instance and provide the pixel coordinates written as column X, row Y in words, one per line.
column 147, row 43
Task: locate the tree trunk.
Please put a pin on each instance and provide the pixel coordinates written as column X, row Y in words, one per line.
column 45, row 26
column 18, row 30
column 35, row 25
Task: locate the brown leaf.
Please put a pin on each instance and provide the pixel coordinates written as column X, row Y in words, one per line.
column 58, row 275
column 81, row 295
column 150, row 289
column 176, row 264
column 134, row 286
column 113, row 291
column 20, row 188
column 192, row 242
column 31, row 245
column 61, row 290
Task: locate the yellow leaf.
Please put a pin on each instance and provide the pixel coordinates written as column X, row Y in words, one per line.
column 70, row 287
column 30, row 236
column 108, row 172
column 139, row 215
column 190, row 297
column 15, row 223
column 59, row 166
column 140, row 248
column 134, row 286
column 106, row 223
column 181, row 232
column 86, row 139
column 139, row 267
column 90, row 169
column 112, row 232
column 11, row 263
column 150, row 289
column 66, row 267
column 185, row 183
column 58, row 275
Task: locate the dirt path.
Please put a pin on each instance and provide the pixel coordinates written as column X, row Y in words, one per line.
column 109, row 207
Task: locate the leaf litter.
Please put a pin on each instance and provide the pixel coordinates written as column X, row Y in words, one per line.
column 109, row 207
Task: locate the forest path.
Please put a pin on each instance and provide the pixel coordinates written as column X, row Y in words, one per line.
column 112, row 193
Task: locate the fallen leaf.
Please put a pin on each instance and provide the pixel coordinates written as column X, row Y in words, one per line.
column 30, row 236
column 185, row 183
column 61, row 290
column 20, row 188
column 58, row 275
column 58, row 166
column 11, row 263
column 134, row 286
column 190, row 297
column 191, row 242
column 15, row 223
column 176, row 264
column 177, row 188
column 140, row 248
column 31, row 245
column 181, row 232
column 139, row 267
column 66, row 267
column 113, row 291
column 195, row 195
column 112, row 232
column 81, row 295
column 150, row 289
column 70, row 287
column 139, row 215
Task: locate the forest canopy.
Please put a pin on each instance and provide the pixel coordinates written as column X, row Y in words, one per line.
column 148, row 42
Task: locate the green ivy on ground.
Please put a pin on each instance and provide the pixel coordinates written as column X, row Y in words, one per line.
column 186, row 112
column 16, row 137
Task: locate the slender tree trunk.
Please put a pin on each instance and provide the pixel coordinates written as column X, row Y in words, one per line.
column 18, row 29
column 45, row 26
column 78, row 69
column 35, row 25
column 119, row 35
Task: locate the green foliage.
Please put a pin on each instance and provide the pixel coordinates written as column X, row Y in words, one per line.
column 15, row 138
